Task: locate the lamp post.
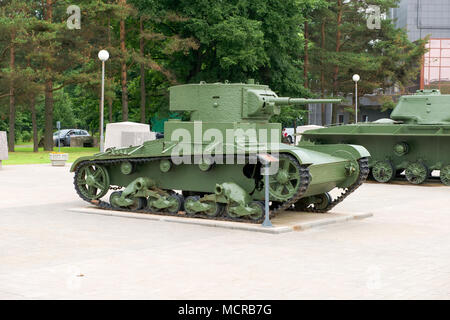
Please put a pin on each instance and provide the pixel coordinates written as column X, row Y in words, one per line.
column 103, row 55
column 356, row 78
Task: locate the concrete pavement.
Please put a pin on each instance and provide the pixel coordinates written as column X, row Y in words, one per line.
column 46, row 251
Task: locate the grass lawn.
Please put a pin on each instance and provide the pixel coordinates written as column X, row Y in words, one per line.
column 25, row 155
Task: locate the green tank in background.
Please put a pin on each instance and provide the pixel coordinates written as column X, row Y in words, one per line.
column 415, row 140
column 209, row 167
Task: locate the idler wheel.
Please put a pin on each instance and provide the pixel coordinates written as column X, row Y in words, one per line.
column 92, row 181
column 284, row 184
column 445, row 175
column 383, row 171
column 416, row 173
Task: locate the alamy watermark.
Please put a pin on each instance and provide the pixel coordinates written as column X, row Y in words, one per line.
column 373, row 17
column 74, row 21
column 228, row 146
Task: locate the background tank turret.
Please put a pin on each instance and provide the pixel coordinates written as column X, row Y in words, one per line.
column 415, row 141
column 209, row 166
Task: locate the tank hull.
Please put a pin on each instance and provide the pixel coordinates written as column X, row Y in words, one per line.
column 325, row 168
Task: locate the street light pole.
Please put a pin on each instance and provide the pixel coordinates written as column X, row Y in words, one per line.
column 103, row 55
column 102, row 107
column 356, row 78
column 356, row 102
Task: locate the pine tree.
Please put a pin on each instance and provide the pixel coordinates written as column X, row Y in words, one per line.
column 15, row 19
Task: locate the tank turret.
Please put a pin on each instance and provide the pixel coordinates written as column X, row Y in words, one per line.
column 424, row 107
column 232, row 102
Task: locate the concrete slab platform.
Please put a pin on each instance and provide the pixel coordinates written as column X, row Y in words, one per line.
column 285, row 222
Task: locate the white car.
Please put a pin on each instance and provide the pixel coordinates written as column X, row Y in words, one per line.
column 290, row 135
column 300, row 129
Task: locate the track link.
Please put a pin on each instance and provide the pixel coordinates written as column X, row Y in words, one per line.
column 363, row 174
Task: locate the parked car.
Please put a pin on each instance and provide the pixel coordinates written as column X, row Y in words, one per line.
column 288, row 135
column 65, row 134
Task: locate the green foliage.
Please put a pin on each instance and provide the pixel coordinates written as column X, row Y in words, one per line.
column 187, row 42
column 383, row 57
column 387, row 103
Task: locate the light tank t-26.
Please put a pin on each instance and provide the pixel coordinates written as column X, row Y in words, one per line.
column 415, row 140
column 209, row 167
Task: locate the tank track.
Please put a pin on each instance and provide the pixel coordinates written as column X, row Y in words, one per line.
column 276, row 208
column 363, row 174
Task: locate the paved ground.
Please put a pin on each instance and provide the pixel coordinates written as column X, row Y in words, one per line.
column 49, row 252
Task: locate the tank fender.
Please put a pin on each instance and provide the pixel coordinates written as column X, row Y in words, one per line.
column 346, row 151
column 359, row 151
column 303, row 156
column 77, row 162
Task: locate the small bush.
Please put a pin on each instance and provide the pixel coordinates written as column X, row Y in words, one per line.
column 26, row 136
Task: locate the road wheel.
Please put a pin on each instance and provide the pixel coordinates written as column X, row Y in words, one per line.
column 259, row 206
column 383, row 171
column 445, row 175
column 416, row 173
column 177, row 202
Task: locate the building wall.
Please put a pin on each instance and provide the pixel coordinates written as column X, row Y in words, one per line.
column 423, row 17
column 420, row 18
column 371, row 113
column 315, row 114
column 436, row 67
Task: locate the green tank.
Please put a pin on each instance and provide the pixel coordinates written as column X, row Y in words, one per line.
column 210, row 166
column 416, row 140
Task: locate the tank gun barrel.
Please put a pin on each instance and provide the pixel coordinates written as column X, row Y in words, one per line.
column 283, row 101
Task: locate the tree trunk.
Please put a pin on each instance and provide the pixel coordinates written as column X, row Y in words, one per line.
column 123, row 72
column 12, row 102
column 338, row 49
column 48, row 113
column 305, row 63
column 110, row 102
column 110, row 111
column 34, row 124
column 322, row 74
column 141, row 48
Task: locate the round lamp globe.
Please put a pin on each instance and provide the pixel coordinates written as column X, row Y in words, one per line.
column 103, row 55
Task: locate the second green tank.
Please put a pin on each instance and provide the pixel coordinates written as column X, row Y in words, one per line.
column 416, row 140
